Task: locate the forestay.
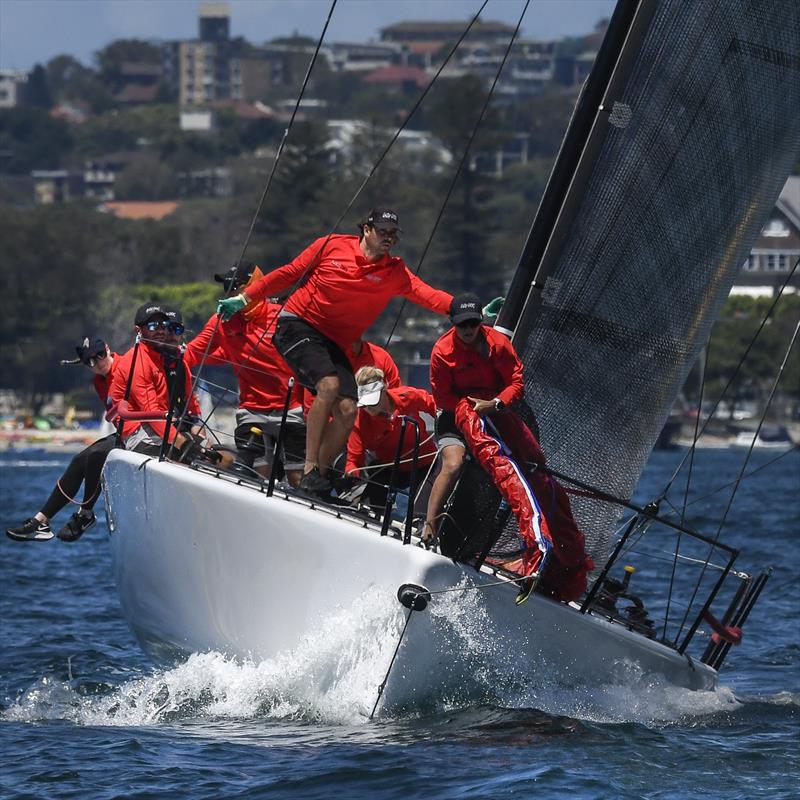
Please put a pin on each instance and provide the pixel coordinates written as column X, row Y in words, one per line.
column 682, row 166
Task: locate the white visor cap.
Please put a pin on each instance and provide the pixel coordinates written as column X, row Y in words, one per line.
column 370, row 393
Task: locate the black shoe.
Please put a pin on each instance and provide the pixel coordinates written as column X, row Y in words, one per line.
column 315, row 485
column 31, row 531
column 77, row 524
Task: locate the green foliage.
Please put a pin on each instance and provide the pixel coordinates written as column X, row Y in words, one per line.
column 69, row 80
column 37, row 90
column 732, row 334
column 110, row 59
column 32, row 139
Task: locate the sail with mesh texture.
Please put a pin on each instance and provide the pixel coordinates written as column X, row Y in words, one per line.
column 690, row 153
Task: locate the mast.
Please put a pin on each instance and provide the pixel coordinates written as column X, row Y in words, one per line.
column 626, row 30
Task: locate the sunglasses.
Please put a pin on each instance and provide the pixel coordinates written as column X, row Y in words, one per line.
column 167, row 325
column 470, row 323
column 393, row 234
column 92, row 360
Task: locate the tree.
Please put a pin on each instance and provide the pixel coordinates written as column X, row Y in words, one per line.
column 37, row 91
column 69, row 80
column 110, row 59
column 32, row 139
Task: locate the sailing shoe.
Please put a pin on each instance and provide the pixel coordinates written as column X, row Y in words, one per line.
column 315, row 485
column 526, row 588
column 31, row 531
column 77, row 524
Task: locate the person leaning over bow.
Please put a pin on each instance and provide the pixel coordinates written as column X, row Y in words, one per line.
column 381, row 409
column 475, row 376
column 84, row 468
column 345, row 283
column 245, row 343
column 159, row 374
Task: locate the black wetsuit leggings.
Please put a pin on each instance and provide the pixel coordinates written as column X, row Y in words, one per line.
column 85, row 467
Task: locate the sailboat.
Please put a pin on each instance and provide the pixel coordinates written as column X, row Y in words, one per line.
column 678, row 147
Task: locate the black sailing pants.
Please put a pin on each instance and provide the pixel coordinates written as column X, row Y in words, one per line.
column 85, row 467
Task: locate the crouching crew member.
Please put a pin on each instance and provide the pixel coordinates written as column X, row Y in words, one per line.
column 475, row 376
column 84, row 468
column 159, row 374
column 377, row 431
column 245, row 343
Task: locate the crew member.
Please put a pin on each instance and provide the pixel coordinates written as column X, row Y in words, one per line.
column 377, row 431
column 159, row 376
column 475, row 376
column 245, row 342
column 345, row 283
column 84, row 468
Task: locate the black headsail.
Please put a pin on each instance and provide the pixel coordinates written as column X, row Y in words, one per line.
column 674, row 158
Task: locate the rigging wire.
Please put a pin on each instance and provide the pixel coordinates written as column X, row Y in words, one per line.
column 268, row 183
column 735, row 373
column 366, row 180
column 738, row 480
column 686, row 491
column 461, row 163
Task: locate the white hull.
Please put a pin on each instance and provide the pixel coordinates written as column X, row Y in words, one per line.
column 203, row 564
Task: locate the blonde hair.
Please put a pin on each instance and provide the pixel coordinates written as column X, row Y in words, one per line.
column 369, row 374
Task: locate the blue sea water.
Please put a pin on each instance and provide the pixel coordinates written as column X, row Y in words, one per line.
column 84, row 714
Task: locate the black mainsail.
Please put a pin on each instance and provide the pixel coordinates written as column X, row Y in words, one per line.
column 675, row 156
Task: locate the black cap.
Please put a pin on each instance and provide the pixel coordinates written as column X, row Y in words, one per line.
column 465, row 307
column 147, row 311
column 383, row 219
column 173, row 314
column 88, row 350
column 237, row 275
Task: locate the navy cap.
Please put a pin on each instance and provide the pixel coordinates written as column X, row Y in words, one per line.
column 383, row 219
column 237, row 275
column 465, row 307
column 147, row 311
column 90, row 349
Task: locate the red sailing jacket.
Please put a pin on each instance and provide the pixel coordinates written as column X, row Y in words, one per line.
column 149, row 390
column 490, row 370
column 247, row 346
column 371, row 356
column 102, row 383
column 343, row 293
column 381, row 434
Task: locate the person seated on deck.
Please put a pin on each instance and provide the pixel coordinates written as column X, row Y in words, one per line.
column 84, row 468
column 345, row 282
column 475, row 376
column 377, row 430
column 245, row 343
column 361, row 354
column 156, row 374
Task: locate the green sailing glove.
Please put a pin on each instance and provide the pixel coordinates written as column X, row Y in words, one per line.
column 228, row 306
column 492, row 308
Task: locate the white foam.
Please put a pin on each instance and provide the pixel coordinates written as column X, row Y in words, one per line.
column 333, row 676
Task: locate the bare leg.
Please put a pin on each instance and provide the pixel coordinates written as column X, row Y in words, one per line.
column 452, row 459
column 335, row 437
column 317, row 420
column 294, row 476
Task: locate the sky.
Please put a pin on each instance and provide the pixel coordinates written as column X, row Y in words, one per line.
column 34, row 31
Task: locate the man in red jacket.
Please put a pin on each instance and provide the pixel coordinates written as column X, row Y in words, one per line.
column 159, row 375
column 85, row 467
column 475, row 376
column 381, row 409
column 245, row 343
column 341, row 284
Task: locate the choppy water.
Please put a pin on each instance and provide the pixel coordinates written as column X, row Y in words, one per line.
column 83, row 713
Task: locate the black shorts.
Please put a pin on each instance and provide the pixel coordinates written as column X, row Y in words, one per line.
column 447, row 432
column 312, row 356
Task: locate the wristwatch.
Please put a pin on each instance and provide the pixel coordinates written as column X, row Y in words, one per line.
column 499, row 405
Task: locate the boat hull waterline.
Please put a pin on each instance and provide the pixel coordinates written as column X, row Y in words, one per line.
column 205, row 564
